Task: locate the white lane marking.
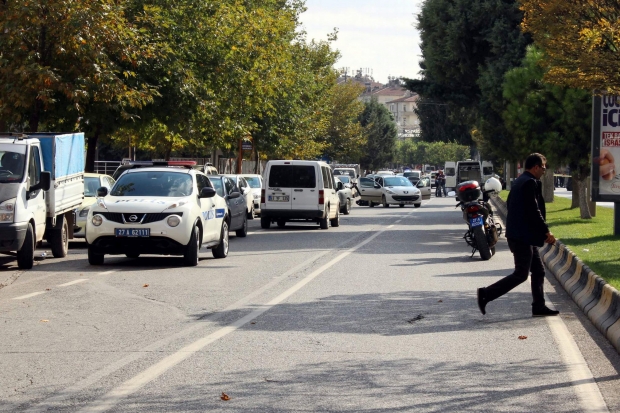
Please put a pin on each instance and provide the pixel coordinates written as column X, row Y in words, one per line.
column 132, row 385
column 72, row 282
column 583, row 382
column 29, row 295
column 107, row 272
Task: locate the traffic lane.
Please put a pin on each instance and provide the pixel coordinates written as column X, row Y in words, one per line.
column 390, row 334
column 123, row 310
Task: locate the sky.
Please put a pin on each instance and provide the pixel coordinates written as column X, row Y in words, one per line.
column 379, row 37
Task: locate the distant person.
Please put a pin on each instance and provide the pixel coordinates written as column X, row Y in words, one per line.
column 526, row 231
column 440, row 184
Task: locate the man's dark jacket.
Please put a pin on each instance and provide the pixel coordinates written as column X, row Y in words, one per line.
column 526, row 211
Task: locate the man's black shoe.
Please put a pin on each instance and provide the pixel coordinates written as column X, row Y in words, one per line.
column 482, row 302
column 544, row 312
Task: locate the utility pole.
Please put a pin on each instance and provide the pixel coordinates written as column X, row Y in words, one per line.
column 240, row 156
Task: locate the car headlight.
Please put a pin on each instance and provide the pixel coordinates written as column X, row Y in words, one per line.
column 97, row 220
column 84, row 212
column 389, row 192
column 173, row 220
column 7, row 210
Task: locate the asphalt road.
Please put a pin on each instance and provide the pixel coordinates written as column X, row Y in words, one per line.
column 377, row 315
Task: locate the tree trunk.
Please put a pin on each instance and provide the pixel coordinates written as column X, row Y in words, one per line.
column 591, row 204
column 91, row 150
column 547, row 187
column 583, row 200
column 576, row 193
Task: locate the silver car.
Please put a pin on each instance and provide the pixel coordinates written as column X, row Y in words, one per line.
column 344, row 194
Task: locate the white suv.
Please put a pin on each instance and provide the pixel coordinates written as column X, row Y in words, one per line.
column 158, row 210
column 299, row 191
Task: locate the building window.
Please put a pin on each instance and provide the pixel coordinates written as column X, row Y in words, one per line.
column 392, row 108
column 404, row 108
column 404, row 121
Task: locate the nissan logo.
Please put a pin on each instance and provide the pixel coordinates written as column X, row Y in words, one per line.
column 133, row 218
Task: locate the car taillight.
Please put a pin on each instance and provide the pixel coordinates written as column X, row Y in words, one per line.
column 473, row 208
column 262, row 196
column 321, row 197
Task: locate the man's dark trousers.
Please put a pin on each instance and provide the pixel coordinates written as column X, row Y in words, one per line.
column 527, row 259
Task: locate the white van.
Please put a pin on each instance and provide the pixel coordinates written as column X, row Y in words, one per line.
column 468, row 171
column 449, row 171
column 487, row 171
column 299, row 191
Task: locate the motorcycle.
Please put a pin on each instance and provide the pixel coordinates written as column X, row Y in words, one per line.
column 483, row 231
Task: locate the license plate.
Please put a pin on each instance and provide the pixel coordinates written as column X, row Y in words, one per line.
column 407, row 202
column 132, row 232
column 475, row 222
column 278, row 198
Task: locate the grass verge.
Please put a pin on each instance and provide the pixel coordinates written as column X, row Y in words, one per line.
column 592, row 240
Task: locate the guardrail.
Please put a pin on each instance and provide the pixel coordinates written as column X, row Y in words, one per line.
column 106, row 167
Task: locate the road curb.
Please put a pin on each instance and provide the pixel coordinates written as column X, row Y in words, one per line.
column 598, row 300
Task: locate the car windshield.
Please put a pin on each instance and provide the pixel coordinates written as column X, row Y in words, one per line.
column 91, row 185
column 12, row 162
column 153, row 183
column 218, row 185
column 253, row 181
column 344, row 179
column 339, row 172
column 397, row 181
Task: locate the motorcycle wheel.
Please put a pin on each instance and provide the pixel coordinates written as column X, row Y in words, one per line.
column 482, row 244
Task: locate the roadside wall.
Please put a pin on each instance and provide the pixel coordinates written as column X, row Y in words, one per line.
column 598, row 300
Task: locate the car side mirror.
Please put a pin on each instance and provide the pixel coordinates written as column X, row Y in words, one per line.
column 102, row 191
column 207, row 192
column 234, row 195
column 340, row 186
column 44, row 182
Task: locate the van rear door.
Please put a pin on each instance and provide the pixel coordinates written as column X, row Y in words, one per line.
column 278, row 186
column 450, row 172
column 305, row 191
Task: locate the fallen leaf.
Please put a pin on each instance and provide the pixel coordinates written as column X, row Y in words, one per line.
column 522, row 337
column 48, row 289
column 224, row 396
column 145, row 285
column 253, row 322
column 45, row 321
column 440, row 301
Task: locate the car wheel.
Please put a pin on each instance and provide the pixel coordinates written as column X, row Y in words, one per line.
column 265, row 222
column 93, row 258
column 281, row 223
column 417, row 205
column 335, row 222
column 324, row 222
column 191, row 256
column 243, row 231
column 25, row 256
column 371, row 204
column 401, row 205
column 384, row 202
column 132, row 255
column 59, row 240
column 221, row 251
column 346, row 209
column 251, row 212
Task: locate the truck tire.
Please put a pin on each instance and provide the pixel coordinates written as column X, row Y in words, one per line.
column 221, row 251
column 59, row 240
column 482, row 244
column 265, row 222
column 191, row 256
column 25, row 256
column 336, row 221
column 93, row 258
column 324, row 222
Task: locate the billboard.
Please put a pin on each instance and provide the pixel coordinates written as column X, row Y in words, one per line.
column 605, row 148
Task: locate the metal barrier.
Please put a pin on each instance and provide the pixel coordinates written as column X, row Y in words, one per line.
column 106, row 167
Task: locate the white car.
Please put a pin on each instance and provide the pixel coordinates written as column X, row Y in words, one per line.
column 256, row 183
column 246, row 192
column 390, row 190
column 158, row 210
column 92, row 182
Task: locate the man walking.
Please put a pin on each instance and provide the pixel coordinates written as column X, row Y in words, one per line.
column 526, row 230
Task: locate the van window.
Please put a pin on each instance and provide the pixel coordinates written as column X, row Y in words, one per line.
column 450, row 171
column 34, row 166
column 292, row 176
column 328, row 180
column 487, row 170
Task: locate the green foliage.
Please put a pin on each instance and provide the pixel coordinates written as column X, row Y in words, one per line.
column 410, row 152
column 442, row 122
column 380, row 132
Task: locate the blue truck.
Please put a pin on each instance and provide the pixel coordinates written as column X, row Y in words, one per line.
column 41, row 184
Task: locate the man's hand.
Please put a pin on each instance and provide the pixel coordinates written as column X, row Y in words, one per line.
column 550, row 238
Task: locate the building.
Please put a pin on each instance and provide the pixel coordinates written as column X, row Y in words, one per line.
column 403, row 111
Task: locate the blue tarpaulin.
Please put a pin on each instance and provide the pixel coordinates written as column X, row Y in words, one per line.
column 63, row 154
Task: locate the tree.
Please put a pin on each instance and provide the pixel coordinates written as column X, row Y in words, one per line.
column 550, row 119
column 380, row 131
column 580, row 40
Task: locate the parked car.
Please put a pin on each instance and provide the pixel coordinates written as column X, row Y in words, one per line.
column 390, row 190
column 209, row 169
column 296, row 190
column 344, row 194
column 235, row 201
column 424, row 185
column 385, row 173
column 92, row 182
column 256, row 182
column 246, row 191
column 158, row 210
column 432, row 176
